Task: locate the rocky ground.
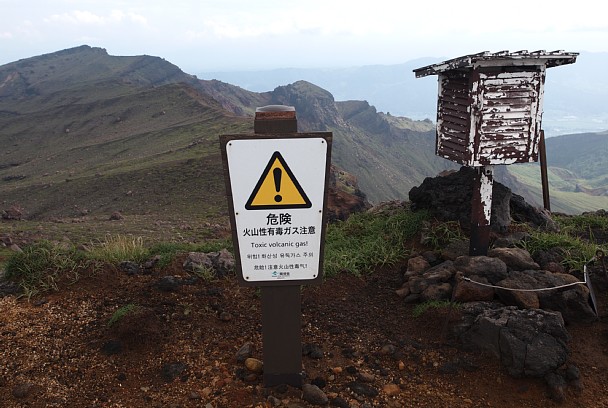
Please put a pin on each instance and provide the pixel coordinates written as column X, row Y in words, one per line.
column 178, row 345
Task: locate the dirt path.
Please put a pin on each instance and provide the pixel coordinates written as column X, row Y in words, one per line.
column 177, row 349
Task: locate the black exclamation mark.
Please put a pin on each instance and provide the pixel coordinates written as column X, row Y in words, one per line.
column 277, row 173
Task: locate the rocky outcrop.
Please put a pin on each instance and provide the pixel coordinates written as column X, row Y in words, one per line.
column 344, row 196
column 220, row 263
column 14, row 212
column 315, row 107
column 448, row 198
column 527, row 342
column 509, row 305
column 508, row 275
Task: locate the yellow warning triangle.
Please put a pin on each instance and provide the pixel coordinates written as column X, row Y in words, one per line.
column 277, row 188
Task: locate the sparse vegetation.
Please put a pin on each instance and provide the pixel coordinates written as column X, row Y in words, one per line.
column 43, row 265
column 583, row 222
column 117, row 248
column 421, row 308
column 366, row 241
column 40, row 266
column 121, row 312
column 205, row 273
column 169, row 250
column 575, row 250
column 440, row 234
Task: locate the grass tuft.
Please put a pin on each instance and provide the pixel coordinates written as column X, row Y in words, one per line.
column 366, row 241
column 168, row 251
column 121, row 312
column 421, row 308
column 575, row 239
column 118, row 248
column 39, row 267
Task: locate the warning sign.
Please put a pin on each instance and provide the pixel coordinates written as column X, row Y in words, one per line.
column 277, row 188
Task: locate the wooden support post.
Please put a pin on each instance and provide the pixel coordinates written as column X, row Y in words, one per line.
column 543, row 171
column 481, row 211
column 281, row 305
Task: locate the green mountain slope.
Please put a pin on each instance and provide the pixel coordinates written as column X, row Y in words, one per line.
column 578, row 177
column 126, row 133
column 84, row 132
column 89, row 133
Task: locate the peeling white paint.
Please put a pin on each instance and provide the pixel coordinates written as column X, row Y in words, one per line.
column 489, row 107
column 486, row 184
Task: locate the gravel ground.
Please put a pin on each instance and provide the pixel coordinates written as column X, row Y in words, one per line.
column 177, row 346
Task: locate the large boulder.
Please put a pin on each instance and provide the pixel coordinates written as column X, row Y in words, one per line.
column 448, row 198
column 466, row 291
column 571, row 301
column 493, row 269
column 527, row 342
column 516, row 258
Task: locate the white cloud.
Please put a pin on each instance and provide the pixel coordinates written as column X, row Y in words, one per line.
column 6, row 35
column 79, row 17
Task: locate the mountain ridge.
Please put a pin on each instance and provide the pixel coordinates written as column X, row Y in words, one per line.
column 142, row 136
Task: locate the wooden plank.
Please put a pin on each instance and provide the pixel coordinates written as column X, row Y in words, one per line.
column 506, row 156
column 510, row 75
column 447, row 132
column 455, row 83
column 459, row 120
column 456, row 86
column 458, row 100
column 508, row 88
column 455, row 107
column 510, row 81
column 497, row 150
column 447, row 146
column 507, row 110
column 502, row 122
column 455, row 93
column 488, row 130
column 489, row 144
column 514, row 117
column 455, row 141
column 505, row 101
column 508, row 95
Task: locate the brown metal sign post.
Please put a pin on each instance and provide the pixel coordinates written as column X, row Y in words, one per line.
column 276, row 182
column 544, row 177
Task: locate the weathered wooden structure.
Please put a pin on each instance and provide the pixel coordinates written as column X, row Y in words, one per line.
column 489, row 112
column 490, row 105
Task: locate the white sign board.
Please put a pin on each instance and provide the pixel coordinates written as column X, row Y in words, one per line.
column 278, row 191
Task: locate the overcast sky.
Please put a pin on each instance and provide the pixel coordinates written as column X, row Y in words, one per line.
column 203, row 35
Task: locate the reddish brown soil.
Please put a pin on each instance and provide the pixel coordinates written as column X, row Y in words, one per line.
column 59, row 351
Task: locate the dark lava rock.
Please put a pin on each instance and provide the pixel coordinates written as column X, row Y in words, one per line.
column 313, row 351
column 168, row 284
column 363, row 389
column 314, row 395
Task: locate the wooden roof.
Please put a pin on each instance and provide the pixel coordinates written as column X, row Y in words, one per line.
column 501, row 58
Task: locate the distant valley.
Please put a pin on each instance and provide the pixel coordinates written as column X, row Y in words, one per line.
column 85, row 133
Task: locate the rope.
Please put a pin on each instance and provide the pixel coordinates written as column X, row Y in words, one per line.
column 530, row 290
column 599, row 255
